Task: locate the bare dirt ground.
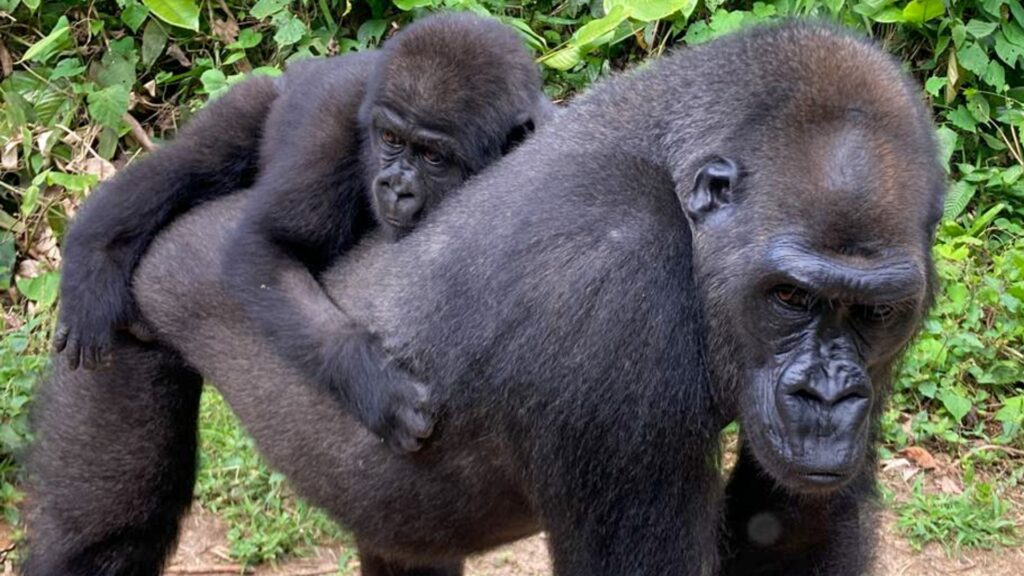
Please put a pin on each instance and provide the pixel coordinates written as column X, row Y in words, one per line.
column 204, row 551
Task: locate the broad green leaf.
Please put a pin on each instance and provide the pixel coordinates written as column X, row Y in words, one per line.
column 8, row 257
column 29, row 200
column 265, row 8
column 214, row 82
column 948, row 140
column 563, row 59
column 67, row 68
column 42, row 289
column 650, row 10
column 957, row 199
column 934, row 85
column 962, row 119
column 117, row 66
column 247, row 38
column 980, row 28
column 889, row 16
column 921, row 11
column 180, row 13
column 595, row 29
column 407, row 5
column 42, row 50
column 108, row 105
column 371, row 31
column 1006, row 50
column 973, row 58
column 154, row 40
column 73, row 182
column 289, row 29
column 1012, row 410
column 995, row 76
column 955, row 404
column 978, row 105
column 134, row 15
column 33, row 5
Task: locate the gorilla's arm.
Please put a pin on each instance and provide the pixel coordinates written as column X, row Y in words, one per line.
column 309, row 205
column 215, row 154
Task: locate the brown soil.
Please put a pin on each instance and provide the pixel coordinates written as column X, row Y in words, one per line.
column 203, row 549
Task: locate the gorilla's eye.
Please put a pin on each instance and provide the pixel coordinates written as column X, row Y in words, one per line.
column 879, row 313
column 432, row 157
column 792, row 297
column 390, row 138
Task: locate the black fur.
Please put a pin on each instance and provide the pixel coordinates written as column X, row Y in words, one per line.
column 462, row 77
column 331, row 178
column 594, row 308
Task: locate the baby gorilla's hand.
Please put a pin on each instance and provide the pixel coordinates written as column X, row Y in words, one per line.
column 96, row 302
column 384, row 398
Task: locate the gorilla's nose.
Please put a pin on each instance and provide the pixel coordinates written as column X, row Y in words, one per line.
column 836, row 387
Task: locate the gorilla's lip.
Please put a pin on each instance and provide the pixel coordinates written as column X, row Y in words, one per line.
column 823, row 478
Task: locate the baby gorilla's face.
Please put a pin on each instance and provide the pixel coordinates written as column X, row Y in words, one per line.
column 415, row 168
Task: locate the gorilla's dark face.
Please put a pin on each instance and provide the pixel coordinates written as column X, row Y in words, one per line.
column 414, row 166
column 816, row 271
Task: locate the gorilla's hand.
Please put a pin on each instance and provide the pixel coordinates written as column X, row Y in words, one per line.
column 383, row 397
column 96, row 301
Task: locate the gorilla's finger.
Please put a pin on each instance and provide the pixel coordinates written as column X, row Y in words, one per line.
column 73, row 351
column 89, row 357
column 60, row 337
column 141, row 331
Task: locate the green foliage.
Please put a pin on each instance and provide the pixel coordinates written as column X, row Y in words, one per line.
column 978, row 518
column 265, row 520
column 23, row 360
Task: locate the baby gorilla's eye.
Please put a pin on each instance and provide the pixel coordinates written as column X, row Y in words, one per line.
column 879, row 313
column 792, row 297
column 432, row 157
column 390, row 138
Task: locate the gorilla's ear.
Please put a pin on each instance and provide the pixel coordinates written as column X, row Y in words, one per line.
column 520, row 132
column 543, row 110
column 713, row 188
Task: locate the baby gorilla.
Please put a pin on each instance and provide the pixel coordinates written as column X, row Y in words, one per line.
column 345, row 144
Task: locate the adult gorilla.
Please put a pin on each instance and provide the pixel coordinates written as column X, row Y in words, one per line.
column 586, row 338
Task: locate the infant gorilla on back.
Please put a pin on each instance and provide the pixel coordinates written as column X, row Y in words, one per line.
column 344, row 145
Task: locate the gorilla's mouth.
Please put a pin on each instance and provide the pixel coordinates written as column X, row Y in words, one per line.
column 824, row 479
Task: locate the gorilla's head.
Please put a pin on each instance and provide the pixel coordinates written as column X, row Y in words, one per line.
column 812, row 234
column 452, row 93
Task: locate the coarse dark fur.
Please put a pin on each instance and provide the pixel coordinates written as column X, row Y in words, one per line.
column 740, row 230
column 323, row 180
column 446, row 97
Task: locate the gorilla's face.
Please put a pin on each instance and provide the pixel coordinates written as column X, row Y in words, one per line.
column 413, row 167
column 812, row 291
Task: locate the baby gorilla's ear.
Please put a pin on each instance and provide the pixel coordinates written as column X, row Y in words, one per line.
column 519, row 133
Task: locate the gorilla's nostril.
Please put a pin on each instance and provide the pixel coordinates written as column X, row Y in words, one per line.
column 808, row 395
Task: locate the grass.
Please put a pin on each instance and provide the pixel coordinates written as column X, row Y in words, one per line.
column 266, row 521
column 977, row 518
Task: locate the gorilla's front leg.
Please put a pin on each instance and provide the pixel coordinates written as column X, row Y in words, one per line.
column 373, row 565
column 620, row 509
column 772, row 532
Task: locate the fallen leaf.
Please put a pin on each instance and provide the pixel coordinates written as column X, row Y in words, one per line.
column 921, row 457
column 949, row 485
column 895, row 464
column 6, row 62
column 227, row 31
